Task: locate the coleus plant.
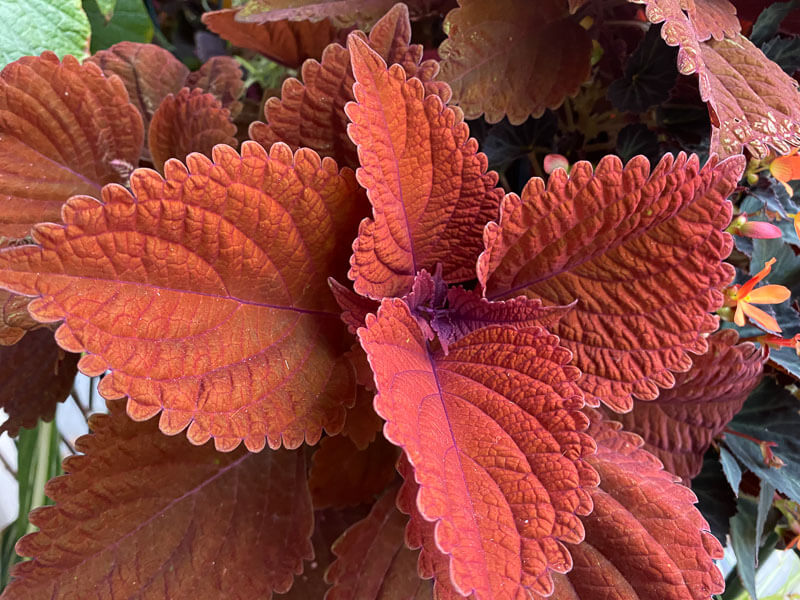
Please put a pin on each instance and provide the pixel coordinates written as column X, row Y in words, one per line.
column 517, row 386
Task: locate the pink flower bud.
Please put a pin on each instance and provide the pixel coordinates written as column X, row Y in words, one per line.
column 759, row 230
column 555, row 161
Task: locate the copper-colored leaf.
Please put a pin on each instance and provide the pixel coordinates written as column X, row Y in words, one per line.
column 343, row 13
column 644, row 539
column 344, row 475
column 753, row 102
column 15, row 319
column 679, row 426
column 642, row 253
column 428, row 185
column 205, row 294
column 514, row 59
column 149, row 73
column 311, row 114
column 496, row 440
column 220, row 76
column 36, row 375
column 143, row 514
column 373, row 562
column 190, row 121
column 64, row 129
column 362, row 423
column 286, row 42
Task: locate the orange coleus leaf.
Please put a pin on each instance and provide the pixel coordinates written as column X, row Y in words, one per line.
column 756, row 104
column 344, row 475
column 373, row 562
column 286, row 42
column 343, row 13
column 220, row 76
column 144, row 514
column 36, row 375
column 311, row 114
column 644, row 539
column 189, row 121
column 640, row 251
column 514, row 59
column 679, row 426
column 205, row 293
column 495, row 436
column 428, row 185
column 64, row 129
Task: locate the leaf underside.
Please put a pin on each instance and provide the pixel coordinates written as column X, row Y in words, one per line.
column 205, row 293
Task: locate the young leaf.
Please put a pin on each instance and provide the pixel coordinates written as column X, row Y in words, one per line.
column 679, row 426
column 205, row 293
column 494, row 433
column 373, row 562
column 428, row 185
column 642, row 253
column 145, row 514
column 515, row 59
column 644, row 539
column 36, row 375
column 753, row 102
column 344, row 475
column 311, row 114
column 289, row 43
column 65, row 130
column 189, row 121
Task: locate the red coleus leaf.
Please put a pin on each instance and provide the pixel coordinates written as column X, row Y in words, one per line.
column 344, row 475
column 145, row 514
column 343, row 13
column 642, row 253
column 205, row 293
column 754, row 103
column 536, row 49
column 644, row 539
column 64, row 129
column 36, row 375
column 220, row 76
column 190, row 121
column 679, row 426
column 494, row 433
column 311, row 114
column 362, row 423
column 713, row 18
column 355, row 308
column 286, row 42
column 373, row 561
column 428, row 185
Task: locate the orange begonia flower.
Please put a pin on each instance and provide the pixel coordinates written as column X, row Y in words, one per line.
column 745, row 296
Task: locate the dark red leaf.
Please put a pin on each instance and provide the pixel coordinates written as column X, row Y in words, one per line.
column 205, row 293
column 344, row 475
column 355, row 308
column 64, row 129
column 644, row 539
column 515, row 59
column 143, row 514
column 642, row 253
column 343, row 13
column 287, row 42
column 430, row 192
column 36, row 375
column 311, row 114
column 362, row 423
column 495, row 436
column 678, row 427
column 373, row 562
column 190, row 121
column 15, row 319
column 220, row 76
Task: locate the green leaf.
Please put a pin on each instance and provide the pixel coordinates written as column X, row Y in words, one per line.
column 770, row 19
column 731, row 469
column 33, row 26
column 765, row 495
column 771, row 414
column 785, row 271
column 785, row 51
column 745, row 538
column 106, row 7
column 130, row 22
column 637, row 138
column 715, row 500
